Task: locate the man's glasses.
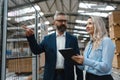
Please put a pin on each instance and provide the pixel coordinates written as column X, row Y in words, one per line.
column 61, row 20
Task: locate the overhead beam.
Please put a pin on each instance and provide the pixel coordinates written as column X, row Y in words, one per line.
column 25, row 4
column 14, row 2
column 69, row 14
column 74, row 23
column 95, row 10
column 103, row 1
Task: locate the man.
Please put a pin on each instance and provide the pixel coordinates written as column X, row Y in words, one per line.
column 56, row 67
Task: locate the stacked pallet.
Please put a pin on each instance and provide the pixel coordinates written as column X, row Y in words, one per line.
column 20, row 65
column 114, row 31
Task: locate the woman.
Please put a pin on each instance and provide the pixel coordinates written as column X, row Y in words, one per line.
column 99, row 52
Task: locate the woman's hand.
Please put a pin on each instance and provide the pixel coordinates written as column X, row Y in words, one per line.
column 78, row 58
column 28, row 31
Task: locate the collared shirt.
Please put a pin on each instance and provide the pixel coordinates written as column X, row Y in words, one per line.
column 99, row 61
column 60, row 39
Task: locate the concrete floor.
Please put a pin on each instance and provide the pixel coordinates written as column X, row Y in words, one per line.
column 13, row 76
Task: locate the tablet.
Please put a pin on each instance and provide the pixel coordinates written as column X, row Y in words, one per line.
column 67, row 53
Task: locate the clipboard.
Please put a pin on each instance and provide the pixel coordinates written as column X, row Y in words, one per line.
column 67, row 53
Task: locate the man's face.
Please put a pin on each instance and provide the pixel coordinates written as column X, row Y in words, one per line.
column 61, row 23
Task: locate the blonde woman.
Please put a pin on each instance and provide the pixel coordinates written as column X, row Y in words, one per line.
column 99, row 52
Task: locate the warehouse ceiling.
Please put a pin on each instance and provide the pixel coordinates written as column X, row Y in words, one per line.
column 23, row 12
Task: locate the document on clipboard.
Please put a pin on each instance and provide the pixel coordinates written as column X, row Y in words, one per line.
column 67, row 53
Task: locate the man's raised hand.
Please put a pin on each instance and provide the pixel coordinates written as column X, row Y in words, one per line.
column 28, row 31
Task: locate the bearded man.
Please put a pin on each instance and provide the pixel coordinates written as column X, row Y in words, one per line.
column 56, row 67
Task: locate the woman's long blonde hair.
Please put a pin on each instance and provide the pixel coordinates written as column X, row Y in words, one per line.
column 99, row 31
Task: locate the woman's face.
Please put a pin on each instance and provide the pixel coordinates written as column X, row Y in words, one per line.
column 90, row 26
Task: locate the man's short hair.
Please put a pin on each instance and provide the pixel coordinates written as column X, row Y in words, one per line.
column 58, row 13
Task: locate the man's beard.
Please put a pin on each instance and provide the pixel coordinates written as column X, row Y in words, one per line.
column 61, row 28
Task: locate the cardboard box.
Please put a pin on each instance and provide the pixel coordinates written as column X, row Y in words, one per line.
column 20, row 65
column 114, row 18
column 117, row 43
column 114, row 31
column 116, row 61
